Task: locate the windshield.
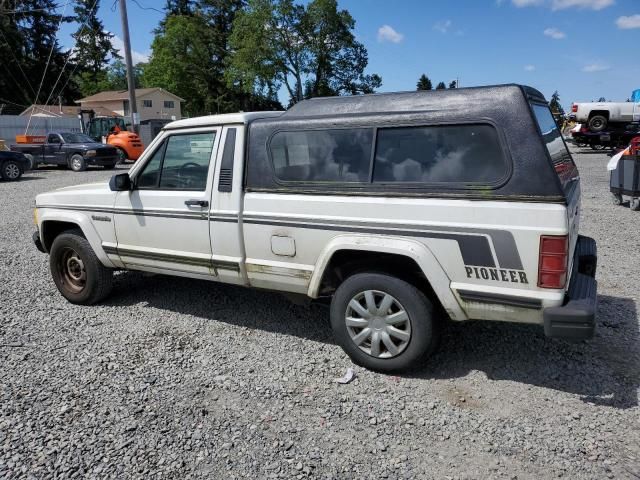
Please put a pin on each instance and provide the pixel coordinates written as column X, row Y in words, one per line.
column 76, row 138
column 560, row 156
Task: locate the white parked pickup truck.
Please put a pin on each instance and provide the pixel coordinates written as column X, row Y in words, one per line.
column 600, row 115
column 402, row 210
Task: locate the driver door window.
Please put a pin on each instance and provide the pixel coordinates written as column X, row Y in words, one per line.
column 180, row 163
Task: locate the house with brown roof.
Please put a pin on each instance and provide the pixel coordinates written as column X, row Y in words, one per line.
column 57, row 111
column 153, row 103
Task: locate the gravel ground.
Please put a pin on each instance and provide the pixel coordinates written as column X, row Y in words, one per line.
column 182, row 378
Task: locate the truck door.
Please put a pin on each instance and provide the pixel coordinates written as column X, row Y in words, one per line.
column 163, row 223
column 53, row 149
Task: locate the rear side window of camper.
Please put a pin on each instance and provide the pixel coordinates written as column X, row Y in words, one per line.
column 462, row 154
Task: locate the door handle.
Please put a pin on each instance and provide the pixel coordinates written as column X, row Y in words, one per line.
column 199, row 203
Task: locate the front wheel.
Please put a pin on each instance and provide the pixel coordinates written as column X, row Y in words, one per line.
column 122, row 155
column 383, row 323
column 11, row 171
column 77, row 163
column 77, row 272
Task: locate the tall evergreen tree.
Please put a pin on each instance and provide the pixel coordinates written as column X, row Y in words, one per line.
column 424, row 83
column 33, row 54
column 453, row 84
column 441, row 86
column 93, row 46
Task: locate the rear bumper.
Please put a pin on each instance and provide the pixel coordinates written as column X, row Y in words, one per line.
column 576, row 318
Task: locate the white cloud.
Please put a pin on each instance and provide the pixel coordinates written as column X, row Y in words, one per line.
column 527, row 3
column 386, row 33
column 555, row 33
column 136, row 57
column 595, row 67
column 589, row 4
column 443, row 26
column 564, row 4
column 625, row 23
column 529, row 68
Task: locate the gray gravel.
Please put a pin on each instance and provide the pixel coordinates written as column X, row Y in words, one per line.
column 181, row 378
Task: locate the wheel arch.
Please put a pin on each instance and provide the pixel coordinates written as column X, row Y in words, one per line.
column 604, row 113
column 53, row 224
column 402, row 257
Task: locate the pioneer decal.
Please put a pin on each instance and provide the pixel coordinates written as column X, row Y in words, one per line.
column 496, row 274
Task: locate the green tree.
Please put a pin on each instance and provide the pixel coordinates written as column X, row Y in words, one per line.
column 93, row 47
column 189, row 56
column 311, row 50
column 115, row 76
column 555, row 105
column 424, row 83
column 441, row 86
column 453, row 84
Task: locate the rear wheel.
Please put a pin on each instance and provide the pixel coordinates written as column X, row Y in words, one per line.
column 122, row 155
column 32, row 161
column 383, row 323
column 598, row 123
column 77, row 163
column 617, row 199
column 77, row 271
column 10, row 170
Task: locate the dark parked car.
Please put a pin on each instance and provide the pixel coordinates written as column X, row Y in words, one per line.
column 13, row 165
column 75, row 150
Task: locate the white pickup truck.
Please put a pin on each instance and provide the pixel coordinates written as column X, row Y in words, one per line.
column 598, row 116
column 402, row 210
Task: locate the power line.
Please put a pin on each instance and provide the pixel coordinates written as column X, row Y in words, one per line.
column 147, row 8
column 66, row 62
column 46, row 67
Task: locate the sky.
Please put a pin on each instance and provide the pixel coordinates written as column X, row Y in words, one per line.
column 584, row 49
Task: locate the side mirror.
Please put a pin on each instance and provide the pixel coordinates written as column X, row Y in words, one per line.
column 120, row 183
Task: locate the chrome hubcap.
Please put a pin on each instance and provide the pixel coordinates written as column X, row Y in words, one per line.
column 76, row 163
column 12, row 171
column 72, row 271
column 378, row 324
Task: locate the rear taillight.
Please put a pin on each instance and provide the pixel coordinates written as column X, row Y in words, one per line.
column 553, row 261
column 634, row 146
column 574, row 108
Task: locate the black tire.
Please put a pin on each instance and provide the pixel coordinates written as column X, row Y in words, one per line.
column 10, row 170
column 77, row 163
column 109, row 166
column 634, row 204
column 617, row 199
column 598, row 123
column 423, row 324
column 82, row 282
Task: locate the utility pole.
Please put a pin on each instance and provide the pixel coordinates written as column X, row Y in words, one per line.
column 131, row 80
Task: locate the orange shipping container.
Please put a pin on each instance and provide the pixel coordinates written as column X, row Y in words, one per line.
column 30, row 138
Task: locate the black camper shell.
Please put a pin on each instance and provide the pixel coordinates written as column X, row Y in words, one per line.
column 529, row 173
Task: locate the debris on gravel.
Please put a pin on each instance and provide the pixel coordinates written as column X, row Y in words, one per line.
column 177, row 378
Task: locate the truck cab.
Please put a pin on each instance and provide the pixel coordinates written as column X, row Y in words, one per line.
column 401, row 210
